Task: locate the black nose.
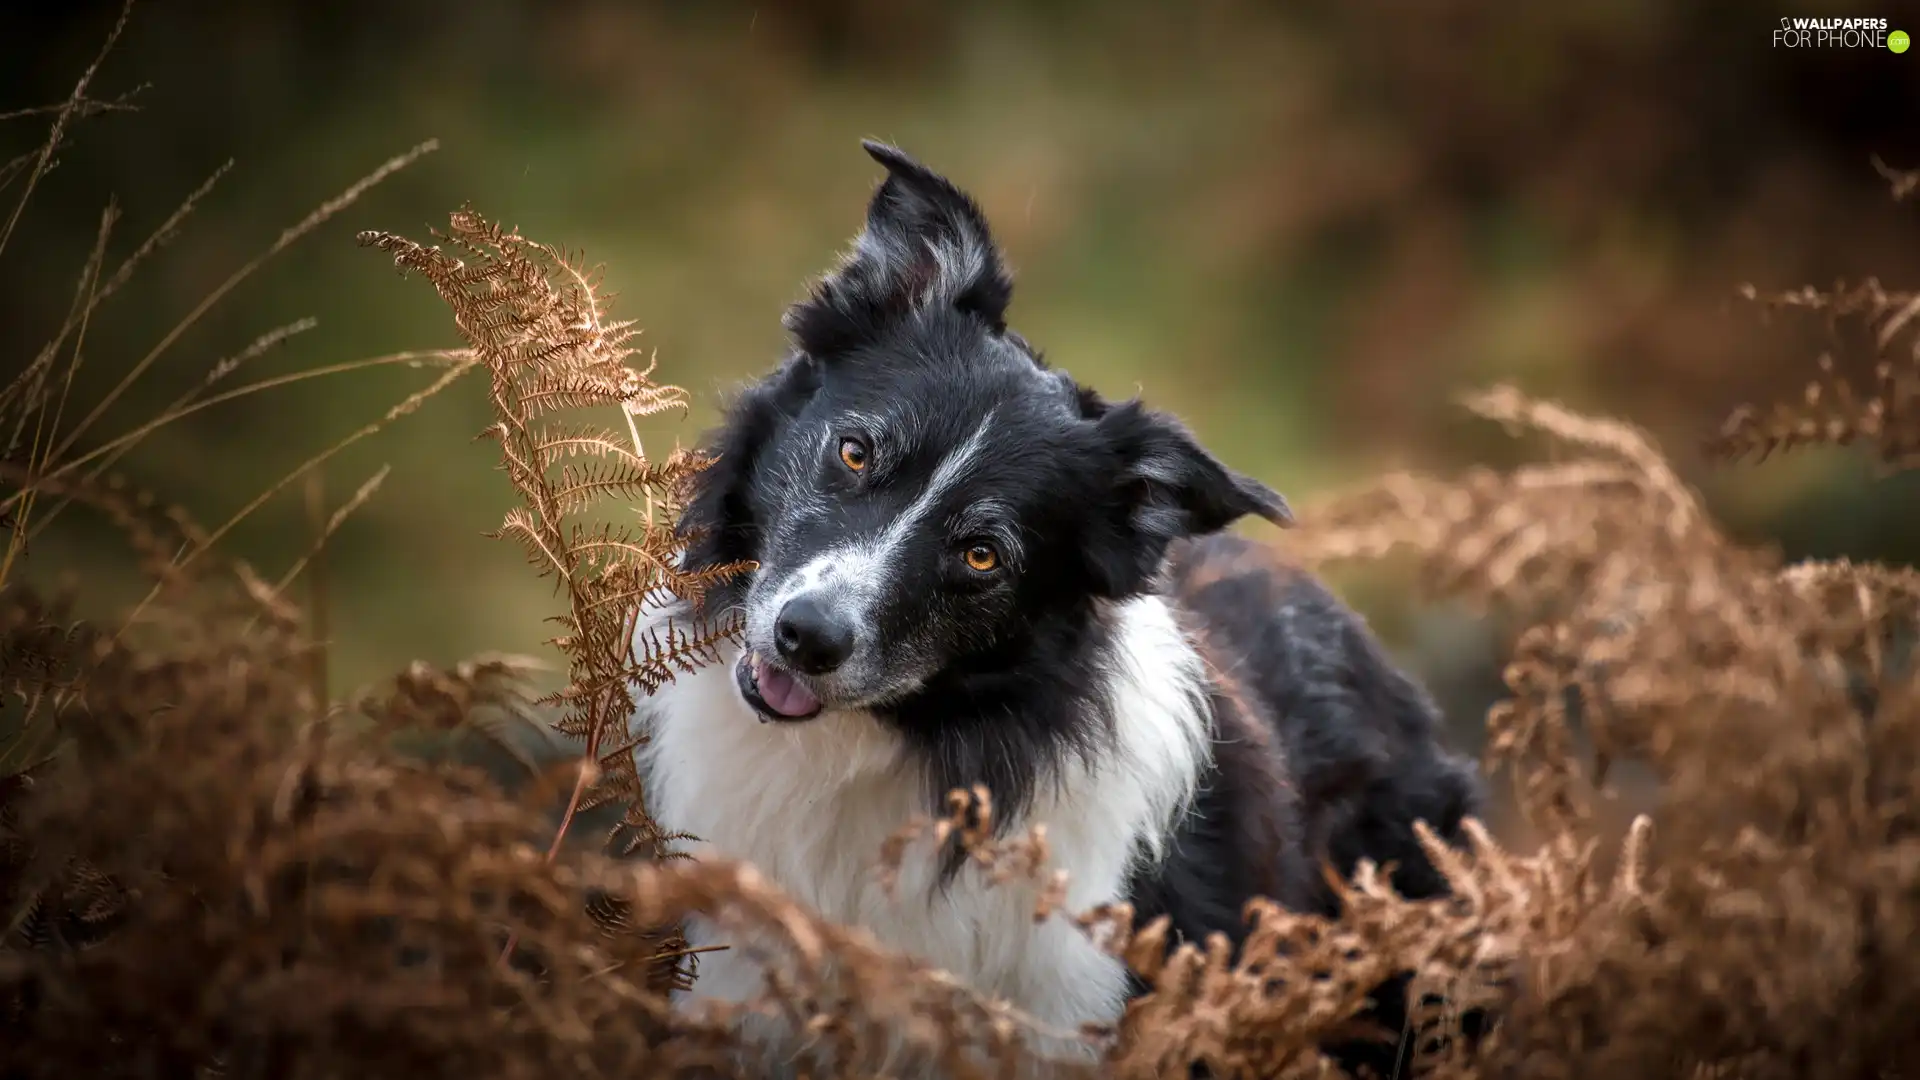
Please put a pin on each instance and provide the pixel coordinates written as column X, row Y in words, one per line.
column 809, row 638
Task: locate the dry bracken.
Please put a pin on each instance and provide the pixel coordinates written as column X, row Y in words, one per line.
column 534, row 318
column 1833, row 411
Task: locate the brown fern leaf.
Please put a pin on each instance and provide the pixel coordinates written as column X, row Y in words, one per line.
column 1581, row 552
column 676, row 647
column 564, row 441
column 1530, row 540
column 45, row 649
column 1775, row 706
column 579, row 487
column 485, row 696
column 1831, row 413
column 156, row 533
column 536, row 320
column 1831, row 410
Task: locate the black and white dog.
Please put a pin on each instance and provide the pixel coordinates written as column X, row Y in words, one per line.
column 973, row 569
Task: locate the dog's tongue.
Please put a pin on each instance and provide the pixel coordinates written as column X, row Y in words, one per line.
column 784, row 694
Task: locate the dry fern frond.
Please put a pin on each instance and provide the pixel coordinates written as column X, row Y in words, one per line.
column 286, row 901
column 535, row 319
column 1298, row 981
column 156, row 533
column 966, row 833
column 1535, row 539
column 1832, row 413
column 44, row 649
column 485, row 696
column 1775, row 705
column 865, row 1010
column 1831, row 410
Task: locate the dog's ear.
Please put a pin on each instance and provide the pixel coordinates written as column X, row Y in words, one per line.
column 718, row 520
column 1162, row 486
column 925, row 244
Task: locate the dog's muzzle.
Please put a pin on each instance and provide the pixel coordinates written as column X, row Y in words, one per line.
column 811, row 640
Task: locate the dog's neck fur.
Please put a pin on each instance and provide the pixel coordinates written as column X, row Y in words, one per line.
column 811, row 804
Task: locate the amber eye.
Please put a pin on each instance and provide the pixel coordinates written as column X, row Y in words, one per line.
column 853, row 454
column 981, row 558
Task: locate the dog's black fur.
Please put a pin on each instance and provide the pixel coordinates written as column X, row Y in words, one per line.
column 1322, row 750
column 1363, row 760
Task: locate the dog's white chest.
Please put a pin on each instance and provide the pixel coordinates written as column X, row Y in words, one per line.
column 811, row 805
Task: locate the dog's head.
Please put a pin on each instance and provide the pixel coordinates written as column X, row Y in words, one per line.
column 931, row 506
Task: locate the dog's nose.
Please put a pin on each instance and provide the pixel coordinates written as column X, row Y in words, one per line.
column 809, row 638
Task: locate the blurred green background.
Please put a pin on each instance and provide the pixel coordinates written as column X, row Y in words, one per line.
column 1305, row 228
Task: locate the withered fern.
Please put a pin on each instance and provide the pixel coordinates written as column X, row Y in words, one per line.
column 1775, row 707
column 1832, row 410
column 535, row 318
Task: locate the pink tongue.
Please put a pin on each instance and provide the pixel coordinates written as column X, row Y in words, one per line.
column 784, row 694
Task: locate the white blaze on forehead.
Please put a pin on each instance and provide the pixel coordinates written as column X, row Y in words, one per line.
column 855, row 572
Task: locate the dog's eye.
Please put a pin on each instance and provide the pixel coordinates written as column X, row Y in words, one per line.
column 853, row 454
column 981, row 558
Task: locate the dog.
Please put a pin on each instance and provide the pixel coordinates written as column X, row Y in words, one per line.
column 973, row 570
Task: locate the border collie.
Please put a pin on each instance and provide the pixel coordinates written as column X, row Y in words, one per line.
column 974, row 570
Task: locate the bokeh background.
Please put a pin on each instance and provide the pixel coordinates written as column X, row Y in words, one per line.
column 1306, row 229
